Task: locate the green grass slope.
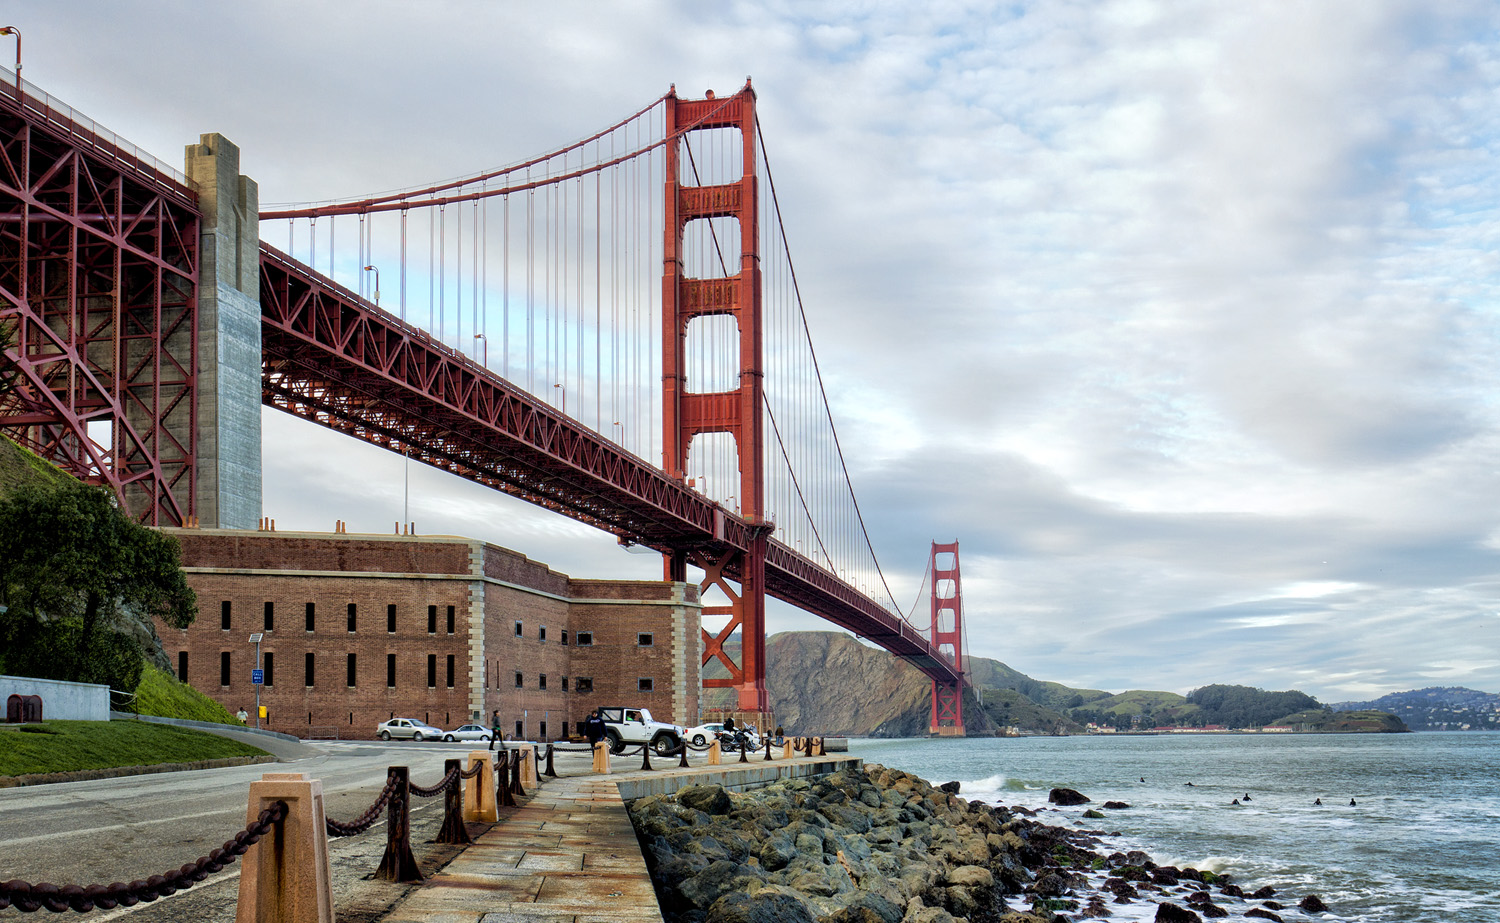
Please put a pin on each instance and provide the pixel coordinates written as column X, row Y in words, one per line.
column 162, row 695
column 69, row 746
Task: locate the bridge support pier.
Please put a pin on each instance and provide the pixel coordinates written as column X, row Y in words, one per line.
column 229, row 354
column 948, row 638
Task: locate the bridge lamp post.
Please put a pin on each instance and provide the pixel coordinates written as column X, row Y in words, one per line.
column 564, row 392
column 486, row 342
column 377, row 283
column 12, row 30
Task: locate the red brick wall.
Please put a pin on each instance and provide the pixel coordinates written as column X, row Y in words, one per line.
column 373, row 572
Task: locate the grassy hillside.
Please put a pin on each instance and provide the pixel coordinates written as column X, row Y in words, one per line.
column 1326, row 721
column 68, row 746
column 21, row 466
column 162, row 695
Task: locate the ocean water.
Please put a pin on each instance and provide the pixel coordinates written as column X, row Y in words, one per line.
column 1421, row 844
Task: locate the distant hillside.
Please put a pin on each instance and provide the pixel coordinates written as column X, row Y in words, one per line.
column 1327, row 721
column 1437, row 708
column 828, row 683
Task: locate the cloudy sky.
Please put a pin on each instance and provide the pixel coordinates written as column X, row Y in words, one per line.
column 1179, row 316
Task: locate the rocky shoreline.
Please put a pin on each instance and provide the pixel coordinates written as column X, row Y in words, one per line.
column 878, row 845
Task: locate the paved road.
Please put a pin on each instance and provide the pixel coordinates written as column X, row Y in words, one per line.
column 122, row 829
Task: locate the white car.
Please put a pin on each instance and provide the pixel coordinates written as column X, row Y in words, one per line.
column 703, row 733
column 407, row 728
column 469, row 732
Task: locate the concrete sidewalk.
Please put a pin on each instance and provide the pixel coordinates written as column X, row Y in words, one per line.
column 569, row 854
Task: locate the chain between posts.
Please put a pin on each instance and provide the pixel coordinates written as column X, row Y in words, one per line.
column 28, row 897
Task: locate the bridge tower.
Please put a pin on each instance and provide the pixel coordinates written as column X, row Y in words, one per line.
column 947, row 637
column 687, row 413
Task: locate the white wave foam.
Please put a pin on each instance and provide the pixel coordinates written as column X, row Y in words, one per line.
column 984, row 788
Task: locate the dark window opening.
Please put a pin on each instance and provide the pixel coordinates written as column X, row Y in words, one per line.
column 518, row 629
column 520, row 730
column 644, row 684
column 353, row 609
column 565, row 684
column 351, row 670
column 542, row 731
column 583, row 684
column 565, row 637
column 224, row 615
column 541, row 633
column 390, row 671
column 270, row 616
column 431, row 671
column 541, row 682
column 644, row 639
column 450, row 671
column 585, row 638
column 520, row 681
column 311, row 608
column 268, row 664
column 223, row 668
column 307, row 666
column 432, row 620
column 182, row 666
column 390, row 618
column 450, row 620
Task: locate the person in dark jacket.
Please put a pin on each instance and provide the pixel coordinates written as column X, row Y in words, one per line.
column 495, row 734
column 593, row 727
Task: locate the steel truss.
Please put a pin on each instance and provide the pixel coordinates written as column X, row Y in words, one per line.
column 336, row 359
column 98, row 282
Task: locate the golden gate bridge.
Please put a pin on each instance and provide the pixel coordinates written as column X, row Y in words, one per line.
column 545, row 329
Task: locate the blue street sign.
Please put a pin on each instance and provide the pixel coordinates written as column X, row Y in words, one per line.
column 257, row 677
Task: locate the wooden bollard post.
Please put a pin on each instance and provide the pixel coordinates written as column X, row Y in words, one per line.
column 601, row 757
column 787, row 749
column 479, row 792
column 817, row 746
column 453, row 829
column 515, row 774
column 398, row 863
column 505, row 790
column 682, row 748
column 549, row 771
column 715, row 753
column 768, row 748
column 285, row 877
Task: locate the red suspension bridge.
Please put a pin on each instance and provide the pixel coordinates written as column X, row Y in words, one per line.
column 544, row 329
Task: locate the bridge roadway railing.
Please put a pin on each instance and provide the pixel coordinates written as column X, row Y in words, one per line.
column 334, row 358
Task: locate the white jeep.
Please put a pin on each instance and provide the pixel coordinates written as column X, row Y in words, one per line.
column 629, row 726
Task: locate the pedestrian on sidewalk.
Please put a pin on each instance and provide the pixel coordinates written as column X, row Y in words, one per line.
column 495, row 735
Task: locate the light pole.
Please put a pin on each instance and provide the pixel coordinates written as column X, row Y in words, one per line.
column 12, row 30
column 564, row 392
column 486, row 341
column 255, row 639
column 377, row 283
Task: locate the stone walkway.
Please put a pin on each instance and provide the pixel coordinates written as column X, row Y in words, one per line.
column 569, row 854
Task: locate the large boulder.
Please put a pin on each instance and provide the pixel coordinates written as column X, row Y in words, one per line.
column 768, row 905
column 1067, row 797
column 710, row 799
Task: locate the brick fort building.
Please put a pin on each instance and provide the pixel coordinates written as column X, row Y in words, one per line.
column 357, row 629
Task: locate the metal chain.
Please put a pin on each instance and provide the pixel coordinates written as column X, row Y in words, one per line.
column 471, row 773
column 450, row 779
column 367, row 819
column 28, row 897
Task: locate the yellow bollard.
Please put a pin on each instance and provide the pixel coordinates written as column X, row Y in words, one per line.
column 528, row 766
column 817, row 743
column 788, row 749
column 714, row 754
column 479, row 792
column 601, row 756
column 285, row 877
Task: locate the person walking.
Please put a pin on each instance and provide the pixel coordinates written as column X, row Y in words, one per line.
column 495, row 735
column 593, row 727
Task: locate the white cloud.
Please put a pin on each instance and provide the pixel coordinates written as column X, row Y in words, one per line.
column 1181, row 317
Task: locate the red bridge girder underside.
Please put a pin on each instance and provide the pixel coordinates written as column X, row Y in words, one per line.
column 335, row 359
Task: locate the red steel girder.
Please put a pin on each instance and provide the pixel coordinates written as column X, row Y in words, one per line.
column 98, row 276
